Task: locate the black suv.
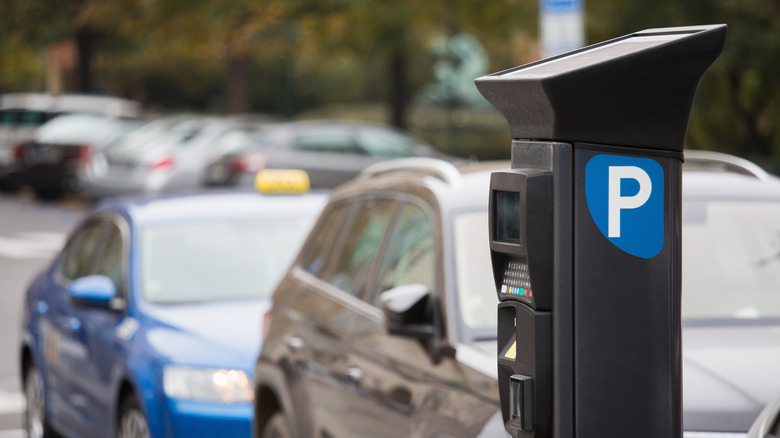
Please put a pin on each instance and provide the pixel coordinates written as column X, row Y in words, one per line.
column 385, row 324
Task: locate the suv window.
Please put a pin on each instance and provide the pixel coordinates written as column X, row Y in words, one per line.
column 9, row 118
column 317, row 251
column 79, row 254
column 33, row 118
column 410, row 257
column 350, row 265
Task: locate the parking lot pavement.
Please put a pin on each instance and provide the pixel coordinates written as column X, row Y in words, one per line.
column 11, row 425
column 11, row 410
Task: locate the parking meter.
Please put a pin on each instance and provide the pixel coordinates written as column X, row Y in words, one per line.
column 585, row 234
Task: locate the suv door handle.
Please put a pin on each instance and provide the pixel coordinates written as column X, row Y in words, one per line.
column 294, row 343
column 354, row 373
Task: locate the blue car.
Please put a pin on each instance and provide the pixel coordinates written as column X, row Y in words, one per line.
column 149, row 321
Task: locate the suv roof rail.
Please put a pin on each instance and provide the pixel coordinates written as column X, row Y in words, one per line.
column 726, row 162
column 441, row 169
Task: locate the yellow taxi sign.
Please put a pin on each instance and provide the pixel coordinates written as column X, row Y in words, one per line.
column 282, row 181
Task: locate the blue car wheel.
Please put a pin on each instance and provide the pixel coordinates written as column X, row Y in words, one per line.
column 132, row 421
column 35, row 413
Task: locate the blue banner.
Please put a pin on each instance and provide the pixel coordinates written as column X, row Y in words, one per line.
column 560, row 6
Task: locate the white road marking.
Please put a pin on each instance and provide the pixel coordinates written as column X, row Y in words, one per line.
column 13, row 433
column 31, row 245
column 11, row 402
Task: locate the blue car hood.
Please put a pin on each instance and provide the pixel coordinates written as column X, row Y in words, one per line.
column 729, row 374
column 220, row 334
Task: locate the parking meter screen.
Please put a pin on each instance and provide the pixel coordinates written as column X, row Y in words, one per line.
column 508, row 217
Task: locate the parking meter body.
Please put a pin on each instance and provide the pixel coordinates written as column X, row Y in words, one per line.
column 585, row 234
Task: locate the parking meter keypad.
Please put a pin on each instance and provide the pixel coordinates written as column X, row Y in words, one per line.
column 517, row 281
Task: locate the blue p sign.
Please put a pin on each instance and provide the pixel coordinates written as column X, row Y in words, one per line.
column 625, row 196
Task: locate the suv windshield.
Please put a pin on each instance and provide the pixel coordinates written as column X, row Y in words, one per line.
column 730, row 263
column 476, row 293
column 731, row 260
column 221, row 260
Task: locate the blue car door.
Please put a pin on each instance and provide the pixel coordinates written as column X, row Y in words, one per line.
column 60, row 327
column 87, row 334
column 93, row 376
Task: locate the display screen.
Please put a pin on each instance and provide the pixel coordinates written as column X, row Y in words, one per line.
column 508, row 220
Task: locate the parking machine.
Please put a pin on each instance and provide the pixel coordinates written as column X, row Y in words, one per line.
column 585, row 234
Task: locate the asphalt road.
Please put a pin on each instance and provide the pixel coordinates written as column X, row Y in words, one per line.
column 30, row 234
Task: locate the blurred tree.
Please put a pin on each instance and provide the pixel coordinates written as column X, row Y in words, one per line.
column 738, row 103
column 211, row 31
column 306, row 50
column 38, row 24
column 393, row 31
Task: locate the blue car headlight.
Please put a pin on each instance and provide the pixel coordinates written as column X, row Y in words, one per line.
column 207, row 384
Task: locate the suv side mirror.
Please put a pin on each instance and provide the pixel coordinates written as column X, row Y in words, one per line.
column 93, row 291
column 409, row 312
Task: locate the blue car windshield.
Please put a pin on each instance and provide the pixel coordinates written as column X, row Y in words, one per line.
column 731, row 260
column 220, row 260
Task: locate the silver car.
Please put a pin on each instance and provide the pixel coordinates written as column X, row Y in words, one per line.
column 58, row 159
column 330, row 151
column 170, row 154
column 731, row 293
column 22, row 113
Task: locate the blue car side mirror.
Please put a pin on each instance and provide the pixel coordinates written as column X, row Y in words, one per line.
column 93, row 291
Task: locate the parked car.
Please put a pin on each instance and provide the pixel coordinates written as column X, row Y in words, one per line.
column 767, row 425
column 59, row 158
column 22, row 113
column 731, row 293
column 330, row 151
column 166, row 155
column 148, row 322
column 385, row 324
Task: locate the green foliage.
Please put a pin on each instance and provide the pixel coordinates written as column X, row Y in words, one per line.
column 309, row 53
column 738, row 102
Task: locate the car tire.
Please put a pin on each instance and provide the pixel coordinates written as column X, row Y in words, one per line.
column 276, row 427
column 7, row 186
column 48, row 194
column 35, row 423
column 132, row 421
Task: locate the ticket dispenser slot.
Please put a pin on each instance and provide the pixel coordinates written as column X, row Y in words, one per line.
column 520, row 240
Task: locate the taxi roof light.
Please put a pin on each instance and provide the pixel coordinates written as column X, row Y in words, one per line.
column 282, row 181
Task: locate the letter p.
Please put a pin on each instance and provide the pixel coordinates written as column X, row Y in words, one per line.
column 616, row 202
